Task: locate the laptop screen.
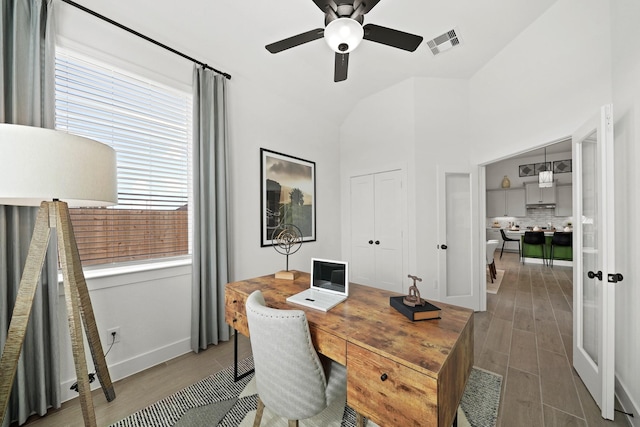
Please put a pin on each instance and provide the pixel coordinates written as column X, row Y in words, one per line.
column 328, row 275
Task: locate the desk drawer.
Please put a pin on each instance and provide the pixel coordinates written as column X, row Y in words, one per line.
column 333, row 347
column 235, row 311
column 389, row 393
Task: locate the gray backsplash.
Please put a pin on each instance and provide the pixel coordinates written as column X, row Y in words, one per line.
column 539, row 217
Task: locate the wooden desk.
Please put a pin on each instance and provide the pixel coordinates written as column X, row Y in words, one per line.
column 425, row 364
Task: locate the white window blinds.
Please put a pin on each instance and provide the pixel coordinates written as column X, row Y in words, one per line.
column 149, row 126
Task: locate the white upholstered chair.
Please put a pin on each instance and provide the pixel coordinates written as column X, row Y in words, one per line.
column 290, row 376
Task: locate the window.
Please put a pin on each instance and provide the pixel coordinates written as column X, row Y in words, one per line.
column 149, row 126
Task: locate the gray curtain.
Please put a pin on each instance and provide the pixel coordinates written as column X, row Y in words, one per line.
column 210, row 210
column 27, row 98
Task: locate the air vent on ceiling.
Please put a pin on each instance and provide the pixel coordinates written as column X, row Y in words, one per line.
column 444, row 42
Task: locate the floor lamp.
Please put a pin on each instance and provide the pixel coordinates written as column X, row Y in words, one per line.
column 43, row 167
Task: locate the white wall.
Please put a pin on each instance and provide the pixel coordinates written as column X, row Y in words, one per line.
column 442, row 141
column 153, row 308
column 625, row 42
column 378, row 135
column 545, row 84
column 415, row 124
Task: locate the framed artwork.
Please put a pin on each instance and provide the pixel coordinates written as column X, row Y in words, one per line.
column 541, row 167
column 562, row 166
column 287, row 195
column 527, row 170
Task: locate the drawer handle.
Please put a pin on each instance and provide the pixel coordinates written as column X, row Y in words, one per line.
column 235, row 320
column 383, row 377
column 235, row 301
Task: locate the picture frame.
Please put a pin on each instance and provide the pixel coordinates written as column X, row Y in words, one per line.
column 562, row 166
column 527, row 170
column 287, row 195
column 541, row 167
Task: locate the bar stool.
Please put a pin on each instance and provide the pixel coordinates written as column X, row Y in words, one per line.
column 491, row 264
column 506, row 239
column 560, row 238
column 535, row 238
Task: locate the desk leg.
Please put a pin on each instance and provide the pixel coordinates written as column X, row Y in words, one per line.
column 237, row 378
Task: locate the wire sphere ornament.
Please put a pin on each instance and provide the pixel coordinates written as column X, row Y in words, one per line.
column 287, row 240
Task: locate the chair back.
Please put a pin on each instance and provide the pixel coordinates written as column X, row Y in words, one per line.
column 562, row 238
column 289, row 375
column 534, row 238
column 507, row 238
column 491, row 248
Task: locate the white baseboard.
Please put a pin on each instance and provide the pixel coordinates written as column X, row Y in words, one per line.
column 138, row 363
column 627, row 403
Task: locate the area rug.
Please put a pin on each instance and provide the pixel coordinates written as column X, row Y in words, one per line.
column 219, row 401
column 492, row 288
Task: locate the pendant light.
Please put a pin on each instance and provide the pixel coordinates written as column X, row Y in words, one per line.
column 545, row 178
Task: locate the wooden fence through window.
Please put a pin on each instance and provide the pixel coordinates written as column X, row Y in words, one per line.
column 107, row 235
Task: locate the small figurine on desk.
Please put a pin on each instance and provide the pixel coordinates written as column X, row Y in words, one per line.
column 287, row 239
column 413, row 299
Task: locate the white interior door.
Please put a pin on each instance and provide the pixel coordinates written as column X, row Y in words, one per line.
column 377, row 230
column 594, row 273
column 362, row 204
column 389, row 231
column 457, row 238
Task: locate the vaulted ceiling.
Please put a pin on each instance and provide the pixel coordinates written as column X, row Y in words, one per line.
column 231, row 35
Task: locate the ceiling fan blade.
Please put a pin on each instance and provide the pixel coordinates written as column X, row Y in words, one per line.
column 368, row 5
column 322, row 4
column 294, row 41
column 342, row 64
column 393, row 38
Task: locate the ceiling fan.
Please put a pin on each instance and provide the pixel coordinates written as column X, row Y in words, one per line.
column 344, row 31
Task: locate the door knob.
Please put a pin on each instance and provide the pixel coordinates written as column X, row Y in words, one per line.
column 593, row 275
column 377, row 242
column 614, row 278
column 371, row 242
column 443, row 247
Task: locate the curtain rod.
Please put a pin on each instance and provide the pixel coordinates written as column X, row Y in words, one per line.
column 149, row 39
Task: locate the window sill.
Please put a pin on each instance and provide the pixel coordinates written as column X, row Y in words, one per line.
column 96, row 274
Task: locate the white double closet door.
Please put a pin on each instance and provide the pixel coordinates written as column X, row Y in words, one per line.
column 377, row 220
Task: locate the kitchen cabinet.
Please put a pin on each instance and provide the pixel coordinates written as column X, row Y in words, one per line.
column 540, row 196
column 494, row 234
column 564, row 204
column 509, row 202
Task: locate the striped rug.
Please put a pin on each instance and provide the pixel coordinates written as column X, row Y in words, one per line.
column 219, row 401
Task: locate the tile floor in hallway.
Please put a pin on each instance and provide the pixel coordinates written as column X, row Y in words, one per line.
column 526, row 336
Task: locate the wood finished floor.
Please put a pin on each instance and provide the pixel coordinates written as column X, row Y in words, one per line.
column 526, row 336
column 142, row 389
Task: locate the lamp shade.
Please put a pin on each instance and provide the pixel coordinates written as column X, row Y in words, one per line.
column 39, row 164
column 343, row 34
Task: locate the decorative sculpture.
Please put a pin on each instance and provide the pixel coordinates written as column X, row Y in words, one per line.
column 287, row 240
column 413, row 299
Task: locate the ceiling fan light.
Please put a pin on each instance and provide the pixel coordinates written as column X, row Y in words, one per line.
column 343, row 34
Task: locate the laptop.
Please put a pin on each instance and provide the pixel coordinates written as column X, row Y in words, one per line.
column 329, row 285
